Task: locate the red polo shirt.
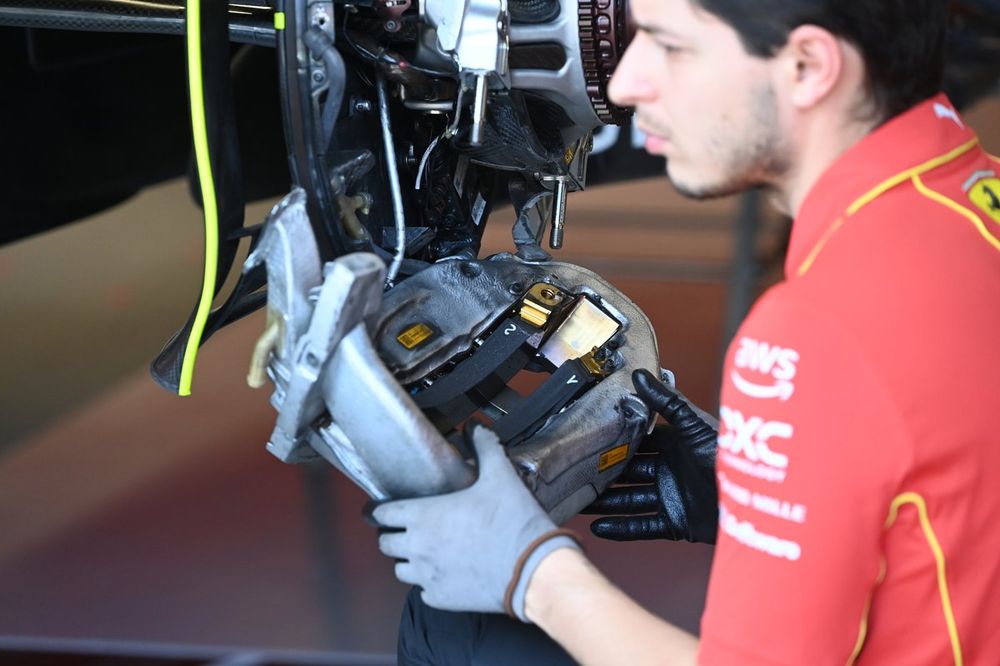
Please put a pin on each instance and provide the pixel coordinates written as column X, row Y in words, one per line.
column 859, row 448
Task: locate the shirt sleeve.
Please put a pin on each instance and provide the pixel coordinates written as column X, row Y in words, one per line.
column 811, row 450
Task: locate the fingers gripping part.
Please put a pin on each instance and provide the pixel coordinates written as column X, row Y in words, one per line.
column 391, row 514
column 481, row 558
column 642, row 469
column 632, row 528
column 406, row 573
column 648, row 388
column 393, row 544
column 489, row 452
column 662, row 400
column 672, row 493
column 633, row 500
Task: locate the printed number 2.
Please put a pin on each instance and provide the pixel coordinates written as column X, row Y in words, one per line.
column 510, row 329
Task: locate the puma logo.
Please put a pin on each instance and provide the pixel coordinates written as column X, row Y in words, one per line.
column 946, row 112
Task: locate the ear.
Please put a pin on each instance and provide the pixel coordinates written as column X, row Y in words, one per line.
column 815, row 64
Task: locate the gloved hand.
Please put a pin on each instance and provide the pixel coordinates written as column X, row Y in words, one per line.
column 474, row 549
column 674, row 496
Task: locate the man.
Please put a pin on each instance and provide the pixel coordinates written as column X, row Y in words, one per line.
column 858, row 453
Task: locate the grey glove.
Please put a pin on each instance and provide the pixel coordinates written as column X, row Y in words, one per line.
column 474, row 549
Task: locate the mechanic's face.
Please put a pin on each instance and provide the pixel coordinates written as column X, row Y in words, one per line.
column 706, row 105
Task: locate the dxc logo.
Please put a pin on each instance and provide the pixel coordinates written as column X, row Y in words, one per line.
column 779, row 363
column 750, row 437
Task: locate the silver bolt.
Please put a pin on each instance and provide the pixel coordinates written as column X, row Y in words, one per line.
column 559, row 214
column 479, row 111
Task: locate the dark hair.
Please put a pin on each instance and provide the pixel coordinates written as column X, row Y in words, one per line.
column 902, row 41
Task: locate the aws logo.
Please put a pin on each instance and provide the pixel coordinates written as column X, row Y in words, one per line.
column 778, row 364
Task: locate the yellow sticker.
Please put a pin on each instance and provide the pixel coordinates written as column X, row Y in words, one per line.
column 279, row 20
column 612, row 457
column 985, row 194
column 415, row 335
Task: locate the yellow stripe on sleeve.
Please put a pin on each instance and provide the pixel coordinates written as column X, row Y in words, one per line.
column 942, row 578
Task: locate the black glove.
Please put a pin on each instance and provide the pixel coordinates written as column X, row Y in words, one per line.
column 673, row 495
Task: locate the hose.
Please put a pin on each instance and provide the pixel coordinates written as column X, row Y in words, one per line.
column 321, row 46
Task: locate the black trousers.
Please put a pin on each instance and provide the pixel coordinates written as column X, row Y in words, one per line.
column 431, row 637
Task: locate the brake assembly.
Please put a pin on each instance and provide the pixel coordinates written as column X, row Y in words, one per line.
column 380, row 385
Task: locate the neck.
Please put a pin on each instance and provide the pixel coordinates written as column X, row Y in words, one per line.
column 821, row 140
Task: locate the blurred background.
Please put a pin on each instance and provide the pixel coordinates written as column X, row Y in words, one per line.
column 134, row 522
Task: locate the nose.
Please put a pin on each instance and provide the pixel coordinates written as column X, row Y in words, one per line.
column 631, row 85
